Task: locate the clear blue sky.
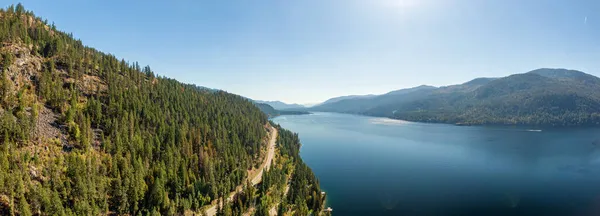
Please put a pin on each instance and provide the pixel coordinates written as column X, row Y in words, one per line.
column 309, row 50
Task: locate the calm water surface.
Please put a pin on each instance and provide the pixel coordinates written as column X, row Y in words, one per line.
column 377, row 166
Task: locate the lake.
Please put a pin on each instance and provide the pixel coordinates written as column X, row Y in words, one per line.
column 379, row 166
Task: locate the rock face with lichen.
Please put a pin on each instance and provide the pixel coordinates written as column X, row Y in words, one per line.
column 24, row 67
column 23, row 75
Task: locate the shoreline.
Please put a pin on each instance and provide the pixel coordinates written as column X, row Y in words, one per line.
column 254, row 180
column 463, row 124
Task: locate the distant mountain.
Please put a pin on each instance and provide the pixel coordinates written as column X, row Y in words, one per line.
column 272, row 112
column 267, row 109
column 336, row 99
column 361, row 103
column 480, row 81
column 552, row 97
column 409, row 90
column 349, row 101
column 563, row 74
column 307, row 105
column 281, row 105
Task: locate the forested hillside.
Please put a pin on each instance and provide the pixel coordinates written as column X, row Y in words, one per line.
column 288, row 188
column 272, row 112
column 267, row 109
column 84, row 133
column 543, row 97
column 359, row 104
column 280, row 105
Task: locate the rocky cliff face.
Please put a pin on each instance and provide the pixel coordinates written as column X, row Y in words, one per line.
column 20, row 65
column 22, row 70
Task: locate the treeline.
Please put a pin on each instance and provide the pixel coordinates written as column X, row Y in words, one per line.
column 260, row 199
column 543, row 97
column 272, row 112
column 549, row 107
column 131, row 142
column 288, row 171
column 304, row 194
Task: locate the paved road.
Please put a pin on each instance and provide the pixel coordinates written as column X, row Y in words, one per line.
column 258, row 177
column 270, row 153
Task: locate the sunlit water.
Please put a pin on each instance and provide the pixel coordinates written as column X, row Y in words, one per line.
column 377, row 166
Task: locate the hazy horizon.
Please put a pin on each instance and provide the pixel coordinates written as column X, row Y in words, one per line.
column 307, row 52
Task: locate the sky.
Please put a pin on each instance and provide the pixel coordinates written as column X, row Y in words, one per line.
column 311, row 50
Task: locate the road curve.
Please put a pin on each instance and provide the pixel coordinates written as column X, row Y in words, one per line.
column 258, row 177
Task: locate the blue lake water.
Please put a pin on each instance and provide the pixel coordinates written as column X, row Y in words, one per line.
column 378, row 166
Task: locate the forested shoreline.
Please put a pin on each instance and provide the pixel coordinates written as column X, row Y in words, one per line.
column 546, row 97
column 84, row 133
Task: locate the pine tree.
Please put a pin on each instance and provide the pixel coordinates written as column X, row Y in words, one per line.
column 23, row 207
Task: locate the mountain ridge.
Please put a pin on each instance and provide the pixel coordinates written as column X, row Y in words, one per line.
column 84, row 133
column 545, row 96
column 281, row 105
column 272, row 112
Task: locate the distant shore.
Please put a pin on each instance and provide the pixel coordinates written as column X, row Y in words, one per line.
column 289, row 112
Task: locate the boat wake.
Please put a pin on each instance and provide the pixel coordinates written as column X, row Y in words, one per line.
column 387, row 121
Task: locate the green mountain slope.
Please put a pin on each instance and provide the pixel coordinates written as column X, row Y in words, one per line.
column 548, row 97
column 336, row 99
column 521, row 99
column 280, row 105
column 360, row 104
column 272, row 112
column 84, row 133
column 267, row 109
